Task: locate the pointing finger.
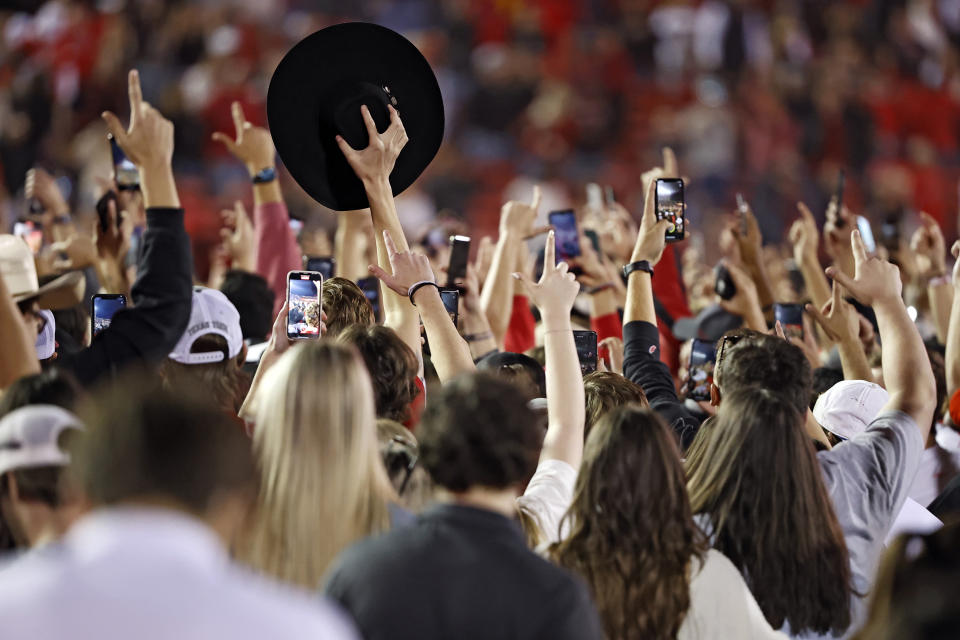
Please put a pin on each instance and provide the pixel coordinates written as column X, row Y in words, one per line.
column 859, row 250
column 388, row 241
column 550, row 252
column 136, row 95
column 371, row 125
column 535, row 203
column 670, row 168
column 238, row 118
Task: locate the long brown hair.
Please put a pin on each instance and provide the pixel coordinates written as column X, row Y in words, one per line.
column 632, row 535
column 756, row 480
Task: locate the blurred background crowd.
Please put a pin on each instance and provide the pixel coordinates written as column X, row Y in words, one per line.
column 768, row 98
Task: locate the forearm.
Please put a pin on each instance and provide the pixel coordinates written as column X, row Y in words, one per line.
column 818, row 288
column 565, row 396
column 113, row 276
column 347, row 245
column 603, row 303
column 449, row 352
column 640, row 299
column 476, row 331
column 158, row 187
column 762, row 281
column 267, row 192
column 18, row 357
column 853, row 360
column 814, row 430
column 953, row 347
column 277, row 252
column 907, row 374
column 941, row 301
column 497, row 295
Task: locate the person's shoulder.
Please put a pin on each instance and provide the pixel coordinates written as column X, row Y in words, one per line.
column 890, row 428
column 716, row 568
column 378, row 555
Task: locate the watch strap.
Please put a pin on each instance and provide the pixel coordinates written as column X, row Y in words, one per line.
column 265, row 175
column 639, row 265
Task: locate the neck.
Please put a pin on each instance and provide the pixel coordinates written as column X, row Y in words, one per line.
column 502, row 501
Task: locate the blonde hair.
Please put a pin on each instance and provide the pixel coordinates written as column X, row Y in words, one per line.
column 323, row 485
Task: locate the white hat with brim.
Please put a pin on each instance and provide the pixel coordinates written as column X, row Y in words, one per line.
column 29, row 437
column 847, row 408
column 19, row 273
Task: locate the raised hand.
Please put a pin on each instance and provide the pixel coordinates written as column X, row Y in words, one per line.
column 652, row 238
column 238, row 238
column 839, row 320
column 749, row 240
column 876, row 281
column 836, row 236
column 517, row 218
column 805, row 237
column 746, row 301
column 929, row 248
column 114, row 242
column 148, row 141
column 376, row 161
column 252, row 145
column 408, row 268
column 80, row 251
column 557, row 289
column 41, row 185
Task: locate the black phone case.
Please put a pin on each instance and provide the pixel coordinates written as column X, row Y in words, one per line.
column 723, row 284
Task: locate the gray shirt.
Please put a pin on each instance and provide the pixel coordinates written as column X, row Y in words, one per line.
column 868, row 478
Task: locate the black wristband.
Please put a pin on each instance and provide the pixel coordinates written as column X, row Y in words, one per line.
column 419, row 285
column 639, row 265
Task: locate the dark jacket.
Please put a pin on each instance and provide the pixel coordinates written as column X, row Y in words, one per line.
column 161, row 295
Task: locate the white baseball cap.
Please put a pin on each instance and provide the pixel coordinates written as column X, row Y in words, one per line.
column 28, row 437
column 19, row 273
column 46, row 343
column 211, row 313
column 848, row 407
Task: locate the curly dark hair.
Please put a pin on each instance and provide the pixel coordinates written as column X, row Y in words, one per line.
column 51, row 386
column 632, row 534
column 756, row 478
column 605, row 391
column 479, row 431
column 392, row 366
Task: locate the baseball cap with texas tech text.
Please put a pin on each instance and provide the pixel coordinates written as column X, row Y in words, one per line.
column 211, row 313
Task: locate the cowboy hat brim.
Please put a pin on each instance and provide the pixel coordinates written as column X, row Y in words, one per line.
column 316, row 93
column 62, row 292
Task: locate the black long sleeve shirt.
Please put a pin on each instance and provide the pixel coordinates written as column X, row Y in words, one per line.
column 642, row 365
column 162, row 297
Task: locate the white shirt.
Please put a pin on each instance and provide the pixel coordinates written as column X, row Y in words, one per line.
column 938, row 466
column 152, row 574
column 721, row 605
column 548, row 496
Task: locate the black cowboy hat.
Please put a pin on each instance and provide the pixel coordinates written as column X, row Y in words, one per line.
column 316, row 93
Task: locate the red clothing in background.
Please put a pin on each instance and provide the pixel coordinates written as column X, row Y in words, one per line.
column 521, row 331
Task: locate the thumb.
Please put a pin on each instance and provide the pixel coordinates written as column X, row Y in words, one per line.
column 844, row 279
column 387, row 279
column 226, row 140
column 114, row 127
column 525, row 284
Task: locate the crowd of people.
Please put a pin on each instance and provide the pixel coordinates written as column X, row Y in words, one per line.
column 201, row 467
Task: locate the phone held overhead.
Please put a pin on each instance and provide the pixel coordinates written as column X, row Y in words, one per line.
column 304, row 304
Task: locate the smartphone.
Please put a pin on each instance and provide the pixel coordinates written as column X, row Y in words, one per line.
column 303, row 298
column 324, row 265
column 586, row 342
column 703, row 358
column 371, row 289
column 670, row 206
column 866, row 233
column 790, row 317
column 103, row 210
column 594, row 196
column 459, row 254
column 594, row 239
column 890, row 234
column 608, row 195
column 723, row 283
column 125, row 173
column 102, row 308
column 838, row 193
column 567, row 236
column 451, row 302
column 742, row 209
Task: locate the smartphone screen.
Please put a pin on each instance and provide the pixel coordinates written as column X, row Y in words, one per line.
column 459, row 254
column 565, row 232
column 790, row 317
column 866, row 233
column 890, row 235
column 371, row 289
column 125, row 173
column 838, row 194
column 451, row 302
column 703, row 358
column 324, row 265
column 104, row 305
column 303, row 297
column 670, row 206
column 586, row 342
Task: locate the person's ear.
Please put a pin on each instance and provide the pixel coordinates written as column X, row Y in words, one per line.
column 714, row 395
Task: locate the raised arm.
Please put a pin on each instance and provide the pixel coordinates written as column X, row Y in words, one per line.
column 516, row 223
column 448, row 351
column 906, row 369
column 929, row 248
column 841, row 324
column 162, row 291
column 953, row 334
column 473, row 321
column 373, row 166
column 350, row 244
column 277, row 251
column 750, row 242
column 805, row 238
